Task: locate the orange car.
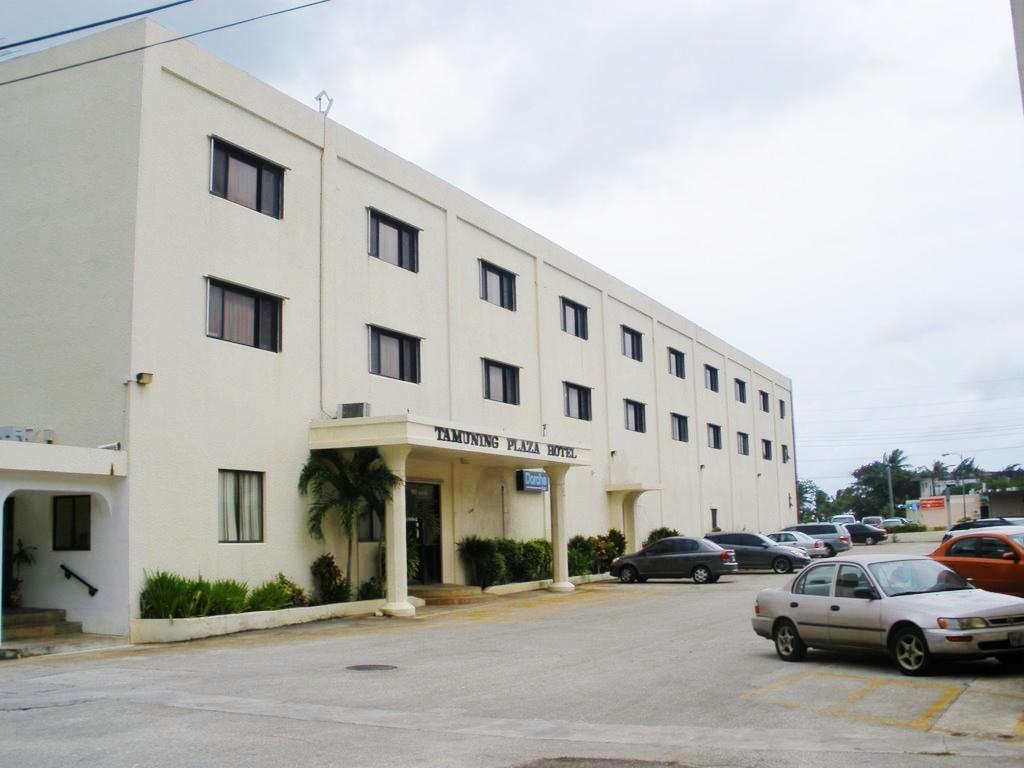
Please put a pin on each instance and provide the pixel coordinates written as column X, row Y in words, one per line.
column 995, row 561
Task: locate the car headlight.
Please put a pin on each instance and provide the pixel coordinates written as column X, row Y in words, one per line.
column 972, row 623
column 615, row 561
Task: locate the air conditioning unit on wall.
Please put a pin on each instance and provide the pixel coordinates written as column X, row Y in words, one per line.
column 353, row 410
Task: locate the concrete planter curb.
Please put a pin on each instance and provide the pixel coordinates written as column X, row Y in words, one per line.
column 530, row 586
column 177, row 630
column 926, row 536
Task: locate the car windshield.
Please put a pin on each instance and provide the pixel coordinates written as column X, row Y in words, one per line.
column 800, row 536
column 915, row 577
column 1018, row 538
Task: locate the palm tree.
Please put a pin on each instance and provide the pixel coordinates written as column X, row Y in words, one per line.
column 346, row 485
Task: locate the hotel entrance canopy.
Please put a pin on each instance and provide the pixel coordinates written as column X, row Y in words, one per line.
column 400, row 437
column 437, row 439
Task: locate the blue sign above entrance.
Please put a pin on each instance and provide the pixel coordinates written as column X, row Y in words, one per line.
column 531, row 481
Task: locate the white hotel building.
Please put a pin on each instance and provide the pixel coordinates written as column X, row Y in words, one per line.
column 199, row 270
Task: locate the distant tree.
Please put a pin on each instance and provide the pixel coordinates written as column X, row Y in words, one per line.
column 807, row 494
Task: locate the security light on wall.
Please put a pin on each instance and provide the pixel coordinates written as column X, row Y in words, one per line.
column 143, row 378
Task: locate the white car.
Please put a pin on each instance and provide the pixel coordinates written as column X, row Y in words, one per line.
column 800, row 540
column 910, row 607
column 843, row 519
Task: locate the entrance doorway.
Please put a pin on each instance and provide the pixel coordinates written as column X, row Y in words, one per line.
column 423, row 519
column 8, row 550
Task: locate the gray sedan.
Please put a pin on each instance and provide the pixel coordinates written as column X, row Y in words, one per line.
column 912, row 608
column 676, row 557
column 757, row 552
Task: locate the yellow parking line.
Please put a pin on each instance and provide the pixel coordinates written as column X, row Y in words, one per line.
column 930, row 715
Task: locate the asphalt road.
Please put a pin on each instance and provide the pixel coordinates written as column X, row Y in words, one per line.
column 649, row 672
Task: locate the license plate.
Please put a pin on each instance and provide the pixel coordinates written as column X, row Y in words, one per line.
column 1016, row 639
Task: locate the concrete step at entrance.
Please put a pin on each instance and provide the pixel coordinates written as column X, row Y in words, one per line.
column 36, row 623
column 448, row 594
column 19, row 617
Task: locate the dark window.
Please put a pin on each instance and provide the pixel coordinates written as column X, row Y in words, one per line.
column 497, row 285
column 676, row 363
column 577, row 401
column 743, row 443
column 632, row 343
column 394, row 241
column 714, row 518
column 785, row 454
column 711, row 378
column 662, row 547
column 371, row 524
column 501, row 382
column 765, row 401
column 241, row 506
column 714, row 436
column 574, row 318
column 683, row 546
column 636, row 420
column 766, row 449
column 680, row 428
column 851, row 578
column 243, row 316
column 816, row 581
column 741, row 390
column 72, row 523
column 966, row 547
column 782, row 409
column 394, row 355
column 246, row 179
column 993, row 548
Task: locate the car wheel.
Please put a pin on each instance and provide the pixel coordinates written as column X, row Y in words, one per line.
column 1011, row 659
column 831, row 550
column 782, row 565
column 628, row 574
column 701, row 575
column 713, row 578
column 910, row 652
column 788, row 644
column 870, row 540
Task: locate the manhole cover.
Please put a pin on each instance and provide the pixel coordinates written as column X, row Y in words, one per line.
column 370, row 667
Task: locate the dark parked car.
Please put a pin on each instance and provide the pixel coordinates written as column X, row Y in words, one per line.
column 676, row 557
column 982, row 522
column 755, row 551
column 866, row 534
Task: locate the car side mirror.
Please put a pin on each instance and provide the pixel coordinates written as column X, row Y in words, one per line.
column 865, row 593
column 1010, row 556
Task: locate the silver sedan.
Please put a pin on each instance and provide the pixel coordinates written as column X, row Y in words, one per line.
column 811, row 546
column 910, row 607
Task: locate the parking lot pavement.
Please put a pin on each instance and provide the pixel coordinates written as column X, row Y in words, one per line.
column 663, row 671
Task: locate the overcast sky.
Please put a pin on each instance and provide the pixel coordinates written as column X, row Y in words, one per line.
column 836, row 188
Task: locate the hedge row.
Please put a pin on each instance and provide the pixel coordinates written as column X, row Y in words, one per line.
column 594, row 554
column 170, row 596
column 505, row 561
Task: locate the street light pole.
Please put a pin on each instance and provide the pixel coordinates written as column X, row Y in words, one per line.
column 963, row 496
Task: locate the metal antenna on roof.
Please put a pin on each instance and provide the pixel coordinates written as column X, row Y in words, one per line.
column 320, row 103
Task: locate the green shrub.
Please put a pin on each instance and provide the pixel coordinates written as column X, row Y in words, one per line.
column 515, row 562
column 371, row 589
column 618, row 542
column 227, row 596
column 329, row 585
column 268, row 596
column 197, row 597
column 580, row 562
column 660, row 533
column 602, row 552
column 537, row 559
column 297, row 596
column 164, row 596
column 909, row 529
column 483, row 560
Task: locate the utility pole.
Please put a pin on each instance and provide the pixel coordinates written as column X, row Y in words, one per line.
column 963, row 488
column 888, row 475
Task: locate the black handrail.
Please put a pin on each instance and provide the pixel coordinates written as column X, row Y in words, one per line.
column 68, row 573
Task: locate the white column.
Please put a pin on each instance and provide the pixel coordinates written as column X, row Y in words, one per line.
column 629, row 521
column 394, row 531
column 559, row 537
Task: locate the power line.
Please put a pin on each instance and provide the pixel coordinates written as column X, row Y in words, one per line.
column 916, row 416
column 907, row 386
column 163, row 42
column 830, row 437
column 94, row 24
column 908, row 405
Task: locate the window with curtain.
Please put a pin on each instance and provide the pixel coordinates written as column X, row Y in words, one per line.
column 394, row 241
column 765, row 401
column 632, row 343
column 714, row 436
column 636, row 417
column 497, row 285
column 743, row 443
column 577, row 401
column 394, row 355
column 246, row 179
column 241, row 506
column 711, row 378
column 785, row 454
column 741, row 390
column 782, row 409
column 676, row 363
column 766, row 449
column 243, row 316
column 680, row 428
column 574, row 318
column 501, row 382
